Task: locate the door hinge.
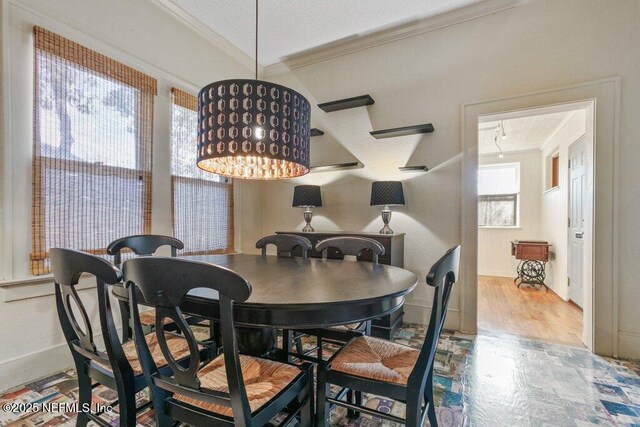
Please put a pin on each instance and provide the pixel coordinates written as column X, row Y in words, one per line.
column 568, row 281
column 569, row 222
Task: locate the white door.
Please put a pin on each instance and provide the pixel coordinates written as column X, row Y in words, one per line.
column 577, row 181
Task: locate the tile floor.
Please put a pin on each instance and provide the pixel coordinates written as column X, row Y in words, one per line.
column 488, row 380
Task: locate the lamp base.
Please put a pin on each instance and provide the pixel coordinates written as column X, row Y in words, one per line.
column 308, row 215
column 386, row 218
column 386, row 230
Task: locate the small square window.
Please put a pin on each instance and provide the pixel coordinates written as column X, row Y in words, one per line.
column 555, row 171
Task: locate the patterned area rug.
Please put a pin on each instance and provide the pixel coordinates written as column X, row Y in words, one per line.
column 61, row 388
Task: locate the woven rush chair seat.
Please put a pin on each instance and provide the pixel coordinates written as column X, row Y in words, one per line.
column 349, row 327
column 178, row 346
column 263, row 380
column 376, row 359
column 148, row 318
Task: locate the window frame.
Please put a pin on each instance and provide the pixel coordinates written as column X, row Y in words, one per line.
column 497, row 197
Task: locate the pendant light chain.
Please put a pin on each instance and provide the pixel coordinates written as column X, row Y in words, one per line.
column 256, row 39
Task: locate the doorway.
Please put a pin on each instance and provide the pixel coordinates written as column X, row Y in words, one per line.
column 601, row 332
column 532, row 187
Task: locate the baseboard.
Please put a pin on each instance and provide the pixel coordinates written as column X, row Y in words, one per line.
column 32, row 366
column 416, row 312
column 628, row 345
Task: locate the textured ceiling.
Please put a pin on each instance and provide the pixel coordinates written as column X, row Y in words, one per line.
column 292, row 26
column 524, row 133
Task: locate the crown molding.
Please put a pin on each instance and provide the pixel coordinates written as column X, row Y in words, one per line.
column 207, row 33
column 410, row 29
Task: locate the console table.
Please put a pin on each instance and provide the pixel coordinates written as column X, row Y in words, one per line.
column 386, row 326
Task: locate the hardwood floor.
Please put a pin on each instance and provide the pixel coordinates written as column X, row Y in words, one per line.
column 527, row 312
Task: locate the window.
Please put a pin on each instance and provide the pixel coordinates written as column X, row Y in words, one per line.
column 555, row 171
column 93, row 121
column 498, row 189
column 551, row 171
column 202, row 205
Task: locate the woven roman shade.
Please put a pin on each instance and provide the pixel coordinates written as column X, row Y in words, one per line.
column 202, row 203
column 93, row 122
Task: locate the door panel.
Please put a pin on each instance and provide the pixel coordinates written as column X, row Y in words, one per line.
column 577, row 180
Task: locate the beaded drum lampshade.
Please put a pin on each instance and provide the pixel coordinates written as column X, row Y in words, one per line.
column 307, row 196
column 253, row 129
column 387, row 193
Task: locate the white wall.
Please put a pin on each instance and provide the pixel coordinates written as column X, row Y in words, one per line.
column 138, row 34
column 539, row 45
column 494, row 243
column 555, row 202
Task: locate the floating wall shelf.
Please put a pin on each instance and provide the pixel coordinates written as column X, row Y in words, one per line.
column 403, row 131
column 343, row 104
column 315, row 132
column 413, row 168
column 336, row 167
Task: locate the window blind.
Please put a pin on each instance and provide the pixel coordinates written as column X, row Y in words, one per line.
column 202, row 202
column 93, row 121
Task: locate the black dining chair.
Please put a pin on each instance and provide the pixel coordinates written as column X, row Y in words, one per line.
column 232, row 389
column 142, row 244
column 118, row 367
column 285, row 244
column 352, row 246
column 384, row 368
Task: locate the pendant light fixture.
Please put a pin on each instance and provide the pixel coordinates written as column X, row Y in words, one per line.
column 253, row 129
column 499, row 130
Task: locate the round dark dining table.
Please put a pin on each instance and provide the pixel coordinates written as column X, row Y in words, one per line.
column 299, row 293
column 306, row 293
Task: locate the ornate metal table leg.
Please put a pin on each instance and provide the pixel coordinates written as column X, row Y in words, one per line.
column 519, row 274
column 533, row 273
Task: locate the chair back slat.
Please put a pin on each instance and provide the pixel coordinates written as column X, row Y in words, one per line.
column 67, row 266
column 442, row 277
column 285, row 244
column 351, row 245
column 142, row 244
column 163, row 282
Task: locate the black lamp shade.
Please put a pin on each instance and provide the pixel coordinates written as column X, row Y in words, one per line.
column 253, row 129
column 387, row 193
column 307, row 196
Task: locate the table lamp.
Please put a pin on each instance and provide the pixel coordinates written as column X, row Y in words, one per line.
column 387, row 193
column 307, row 197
